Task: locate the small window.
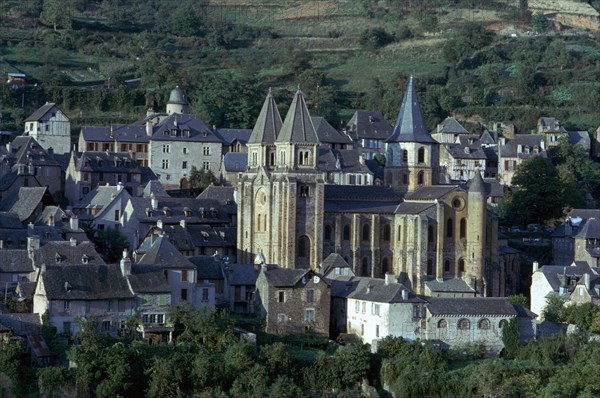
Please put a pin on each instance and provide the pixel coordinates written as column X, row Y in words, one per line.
column 386, row 232
column 67, row 305
column 366, row 232
column 442, row 324
column 449, row 228
column 310, row 295
column 204, row 294
column 184, row 295
column 184, row 275
column 463, row 228
column 357, row 307
column 464, row 324
column 346, row 232
column 484, row 324
column 281, row 296
column 281, row 318
column 405, row 156
column 310, row 315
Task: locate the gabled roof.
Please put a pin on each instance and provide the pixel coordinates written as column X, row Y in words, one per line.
column 24, row 201
column 241, row 274
column 284, row 277
column 15, row 261
column 67, row 253
column 371, row 289
column 369, row 125
column 298, row 126
column 208, row 267
column 105, row 162
column 590, row 230
column 554, row 273
column 85, row 282
column 471, row 306
column 231, row 135
column 196, row 130
column 10, row 220
column 22, row 324
column 531, row 141
column 148, row 279
column 267, row 124
column 223, row 195
column 334, row 260
column 454, row 285
column 25, row 149
column 156, row 188
column 162, row 252
column 100, row 197
column 451, row 126
column 327, row 133
column 41, row 112
column 410, row 124
column 488, row 137
column 346, row 160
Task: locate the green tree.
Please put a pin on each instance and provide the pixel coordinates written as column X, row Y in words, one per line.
column 284, row 387
column 582, row 315
column 554, row 309
column 519, row 299
column 200, row 179
column 539, row 23
column 251, row 383
column 109, row 242
column 164, row 379
column 10, row 363
column 511, row 337
column 51, row 379
column 373, row 38
column 55, row 14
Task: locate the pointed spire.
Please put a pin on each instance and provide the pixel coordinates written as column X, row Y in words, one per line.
column 268, row 123
column 476, row 184
column 298, row 126
column 410, row 125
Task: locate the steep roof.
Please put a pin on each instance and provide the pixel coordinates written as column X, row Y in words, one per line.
column 327, row 133
column 208, row 267
column 235, row 161
column 67, row 253
column 85, row 282
column 116, row 132
column 590, row 230
column 334, row 260
column 41, row 112
column 371, row 289
column 148, row 279
column 369, row 125
column 298, row 126
column 162, row 252
column 230, row 135
column 284, row 277
column 177, row 96
column 451, row 126
column 267, row 124
column 24, row 201
column 241, row 274
column 476, row 184
column 188, row 128
column 155, row 187
column 477, row 306
column 454, row 285
column 410, row 124
column 15, row 261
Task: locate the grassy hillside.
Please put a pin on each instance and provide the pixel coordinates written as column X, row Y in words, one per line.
column 344, row 54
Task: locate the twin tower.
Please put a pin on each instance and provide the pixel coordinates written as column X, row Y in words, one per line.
column 282, row 217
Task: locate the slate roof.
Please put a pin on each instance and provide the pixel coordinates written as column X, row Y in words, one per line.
column 207, row 211
column 410, row 124
column 580, row 138
column 346, row 160
column 67, row 253
column 430, row 192
column 41, row 112
column 451, row 126
column 198, row 131
column 360, row 206
column 371, row 289
column 177, row 96
column 554, row 273
column 471, row 306
column 156, row 188
column 298, row 127
column 208, row 267
column 26, row 150
column 85, row 282
column 99, row 197
column 491, row 186
column 585, row 213
column 24, row 201
column 230, row 135
column 590, row 230
column 332, row 261
column 15, row 261
column 179, row 236
column 369, row 125
column 360, row 192
column 160, row 251
column 223, row 195
column 116, row 132
column 148, row 279
column 241, row 274
column 22, row 324
column 510, row 149
column 488, row 137
column 328, row 134
column 466, row 150
column 551, row 124
column 106, row 162
column 235, row 161
column 268, row 124
column 476, row 183
column 207, row 236
column 413, row 207
column 284, row 277
column 10, row 220
column 454, row 285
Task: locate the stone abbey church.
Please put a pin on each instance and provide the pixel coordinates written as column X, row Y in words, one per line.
column 410, row 226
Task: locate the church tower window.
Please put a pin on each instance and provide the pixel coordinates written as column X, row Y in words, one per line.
column 304, row 247
column 346, row 232
column 420, row 178
column 421, row 155
column 386, row 233
column 449, row 228
column 366, row 232
column 430, row 267
column 365, row 267
column 463, row 228
column 461, row 265
column 430, row 234
column 385, row 265
column 328, row 232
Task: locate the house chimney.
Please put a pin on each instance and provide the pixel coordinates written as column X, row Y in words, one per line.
column 119, row 186
column 30, row 227
column 536, row 266
column 586, row 280
column 404, row 294
column 182, row 223
column 125, row 263
column 74, row 223
column 159, row 224
column 33, row 243
column 73, row 242
column 149, row 128
column 390, row 278
column 51, row 220
column 153, row 201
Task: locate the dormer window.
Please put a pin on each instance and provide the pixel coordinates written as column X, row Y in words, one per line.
column 85, row 259
column 204, row 134
column 148, row 212
column 68, row 287
column 187, row 211
column 166, row 211
column 173, row 132
column 57, row 258
column 205, row 236
column 100, row 163
column 186, row 133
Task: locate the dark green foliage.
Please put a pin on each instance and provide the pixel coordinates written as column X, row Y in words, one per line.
column 109, row 242
column 539, row 22
column 465, row 41
column 374, row 38
column 511, row 337
column 554, row 309
column 519, row 299
column 55, row 14
column 582, row 315
column 200, row 179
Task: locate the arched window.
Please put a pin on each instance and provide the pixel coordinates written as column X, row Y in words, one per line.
column 449, row 227
column 421, row 155
column 464, row 324
column 461, row 265
column 430, row 267
column 430, row 234
column 442, row 324
column 265, row 222
column 484, row 324
column 304, row 247
column 384, row 266
column 421, row 178
column 306, row 158
column 463, row 228
column 365, row 232
column 405, row 155
column 365, row 267
column 386, row 233
column 399, row 233
column 304, row 191
column 328, row 232
column 502, row 323
column 272, row 157
column 259, row 219
column 447, row 266
column 346, row 232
